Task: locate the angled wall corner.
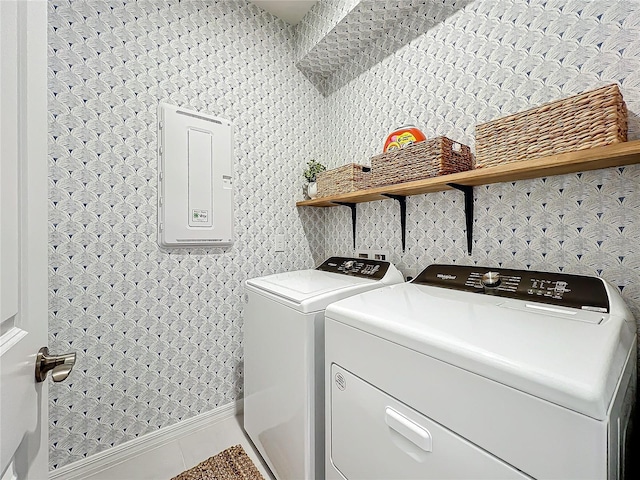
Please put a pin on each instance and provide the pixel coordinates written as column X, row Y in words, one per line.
column 318, row 22
column 362, row 37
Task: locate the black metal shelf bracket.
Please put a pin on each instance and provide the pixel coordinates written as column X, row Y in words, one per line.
column 402, row 200
column 352, row 206
column 468, row 211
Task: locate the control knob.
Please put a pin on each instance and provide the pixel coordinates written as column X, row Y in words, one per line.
column 348, row 265
column 491, row 279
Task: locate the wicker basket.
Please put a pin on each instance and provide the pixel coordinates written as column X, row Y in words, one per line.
column 591, row 119
column 345, row 179
column 433, row 157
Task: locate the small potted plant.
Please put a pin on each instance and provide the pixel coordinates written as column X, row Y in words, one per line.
column 313, row 169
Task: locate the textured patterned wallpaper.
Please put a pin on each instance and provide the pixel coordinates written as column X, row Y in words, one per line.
column 345, row 46
column 318, row 22
column 158, row 333
column 490, row 59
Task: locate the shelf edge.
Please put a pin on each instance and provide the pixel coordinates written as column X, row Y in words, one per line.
column 615, row 155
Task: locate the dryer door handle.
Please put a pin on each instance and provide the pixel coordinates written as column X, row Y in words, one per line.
column 408, row 429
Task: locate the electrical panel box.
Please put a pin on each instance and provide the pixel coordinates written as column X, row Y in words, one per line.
column 195, row 178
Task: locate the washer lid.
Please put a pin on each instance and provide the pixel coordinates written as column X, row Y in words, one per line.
column 335, row 279
column 563, row 355
column 310, row 290
column 304, row 284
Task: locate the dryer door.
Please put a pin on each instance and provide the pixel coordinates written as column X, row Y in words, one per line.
column 374, row 436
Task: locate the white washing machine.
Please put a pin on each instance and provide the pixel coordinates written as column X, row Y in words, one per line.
column 469, row 373
column 284, row 358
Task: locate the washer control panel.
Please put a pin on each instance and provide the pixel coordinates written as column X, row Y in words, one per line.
column 358, row 267
column 574, row 291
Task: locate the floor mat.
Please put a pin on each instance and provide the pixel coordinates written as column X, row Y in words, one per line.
column 230, row 464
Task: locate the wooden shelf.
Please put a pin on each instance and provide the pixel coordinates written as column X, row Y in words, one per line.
column 615, row 155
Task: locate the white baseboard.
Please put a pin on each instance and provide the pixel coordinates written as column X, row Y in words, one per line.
column 125, row 451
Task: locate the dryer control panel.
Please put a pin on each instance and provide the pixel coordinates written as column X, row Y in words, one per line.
column 574, row 291
column 357, row 267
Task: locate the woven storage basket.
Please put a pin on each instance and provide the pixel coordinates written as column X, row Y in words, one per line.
column 345, row 179
column 433, row 157
column 590, row 119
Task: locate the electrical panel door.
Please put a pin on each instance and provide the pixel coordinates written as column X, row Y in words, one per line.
column 195, row 172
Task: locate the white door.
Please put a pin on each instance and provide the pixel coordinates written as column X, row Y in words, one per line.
column 23, row 237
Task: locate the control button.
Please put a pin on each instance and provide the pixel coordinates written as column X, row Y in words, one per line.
column 349, row 264
column 369, row 269
column 491, row 279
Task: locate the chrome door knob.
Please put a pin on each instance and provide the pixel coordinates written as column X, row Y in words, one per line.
column 59, row 365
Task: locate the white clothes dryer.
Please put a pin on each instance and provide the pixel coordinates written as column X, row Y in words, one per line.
column 284, row 358
column 468, row 372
